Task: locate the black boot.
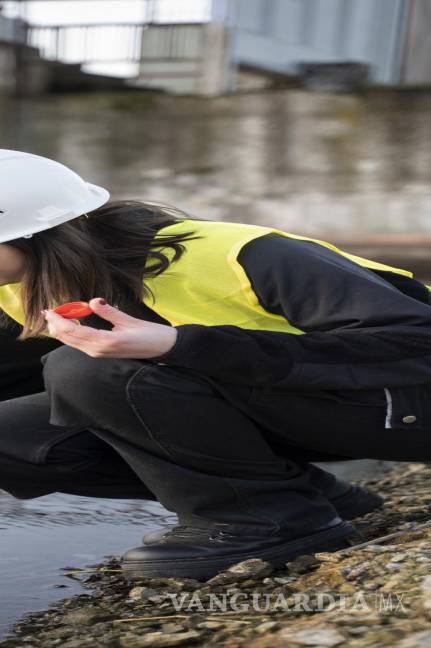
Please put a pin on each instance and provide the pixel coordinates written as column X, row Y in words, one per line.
column 356, row 502
column 349, row 500
column 200, row 553
column 352, row 503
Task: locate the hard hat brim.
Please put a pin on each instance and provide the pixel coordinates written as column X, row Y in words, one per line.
column 98, row 197
column 101, row 196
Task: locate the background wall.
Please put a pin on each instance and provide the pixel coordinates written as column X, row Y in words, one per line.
column 280, row 33
column 416, row 64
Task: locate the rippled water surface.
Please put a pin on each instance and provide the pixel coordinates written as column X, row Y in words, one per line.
column 322, row 164
column 40, row 537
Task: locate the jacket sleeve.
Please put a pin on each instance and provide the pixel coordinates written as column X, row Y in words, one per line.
column 20, row 365
column 362, row 329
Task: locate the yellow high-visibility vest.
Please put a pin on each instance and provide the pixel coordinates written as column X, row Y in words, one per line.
column 208, row 285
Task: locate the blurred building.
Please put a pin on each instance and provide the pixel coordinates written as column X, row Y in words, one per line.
column 393, row 37
column 211, row 52
column 11, row 33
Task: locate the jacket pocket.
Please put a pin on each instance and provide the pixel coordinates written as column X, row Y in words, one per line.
column 365, row 397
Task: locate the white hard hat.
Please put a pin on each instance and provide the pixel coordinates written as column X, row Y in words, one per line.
column 37, row 193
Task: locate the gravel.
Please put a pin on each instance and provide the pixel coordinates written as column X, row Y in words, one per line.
column 373, row 594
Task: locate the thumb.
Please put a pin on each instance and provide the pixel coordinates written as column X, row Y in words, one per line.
column 110, row 313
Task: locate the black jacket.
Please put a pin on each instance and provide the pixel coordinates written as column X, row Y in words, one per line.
column 364, row 330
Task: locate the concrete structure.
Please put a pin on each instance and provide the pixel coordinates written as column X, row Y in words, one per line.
column 11, row 30
column 7, row 68
column 25, row 72
column 11, row 33
column 415, row 64
column 180, row 58
column 391, row 36
column 195, row 62
column 271, row 37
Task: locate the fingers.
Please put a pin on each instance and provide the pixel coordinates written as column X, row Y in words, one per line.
column 84, row 338
column 110, row 313
column 59, row 325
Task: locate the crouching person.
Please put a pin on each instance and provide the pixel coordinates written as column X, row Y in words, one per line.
column 219, row 360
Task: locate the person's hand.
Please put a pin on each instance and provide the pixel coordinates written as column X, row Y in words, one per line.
column 129, row 338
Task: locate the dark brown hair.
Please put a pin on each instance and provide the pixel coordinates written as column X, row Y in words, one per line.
column 106, row 253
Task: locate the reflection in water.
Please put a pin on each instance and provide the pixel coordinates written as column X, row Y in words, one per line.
column 317, row 164
column 39, row 537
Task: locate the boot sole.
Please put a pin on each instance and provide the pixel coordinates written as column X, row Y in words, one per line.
column 203, row 568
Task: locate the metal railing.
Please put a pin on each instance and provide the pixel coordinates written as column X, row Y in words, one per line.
column 128, row 42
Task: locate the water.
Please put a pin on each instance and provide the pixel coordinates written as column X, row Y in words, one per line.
column 318, row 164
column 328, row 166
column 39, row 537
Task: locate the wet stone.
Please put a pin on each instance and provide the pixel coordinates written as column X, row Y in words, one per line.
column 267, row 627
column 211, row 625
column 314, row 637
column 302, row 565
column 158, row 639
column 172, row 627
column 358, row 630
column 284, row 580
column 253, row 568
column 85, row 616
column 398, row 557
column 416, row 640
column 426, row 584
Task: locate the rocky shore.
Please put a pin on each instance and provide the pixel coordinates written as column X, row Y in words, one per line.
column 373, row 594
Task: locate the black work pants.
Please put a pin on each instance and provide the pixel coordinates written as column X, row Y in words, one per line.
column 212, row 453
